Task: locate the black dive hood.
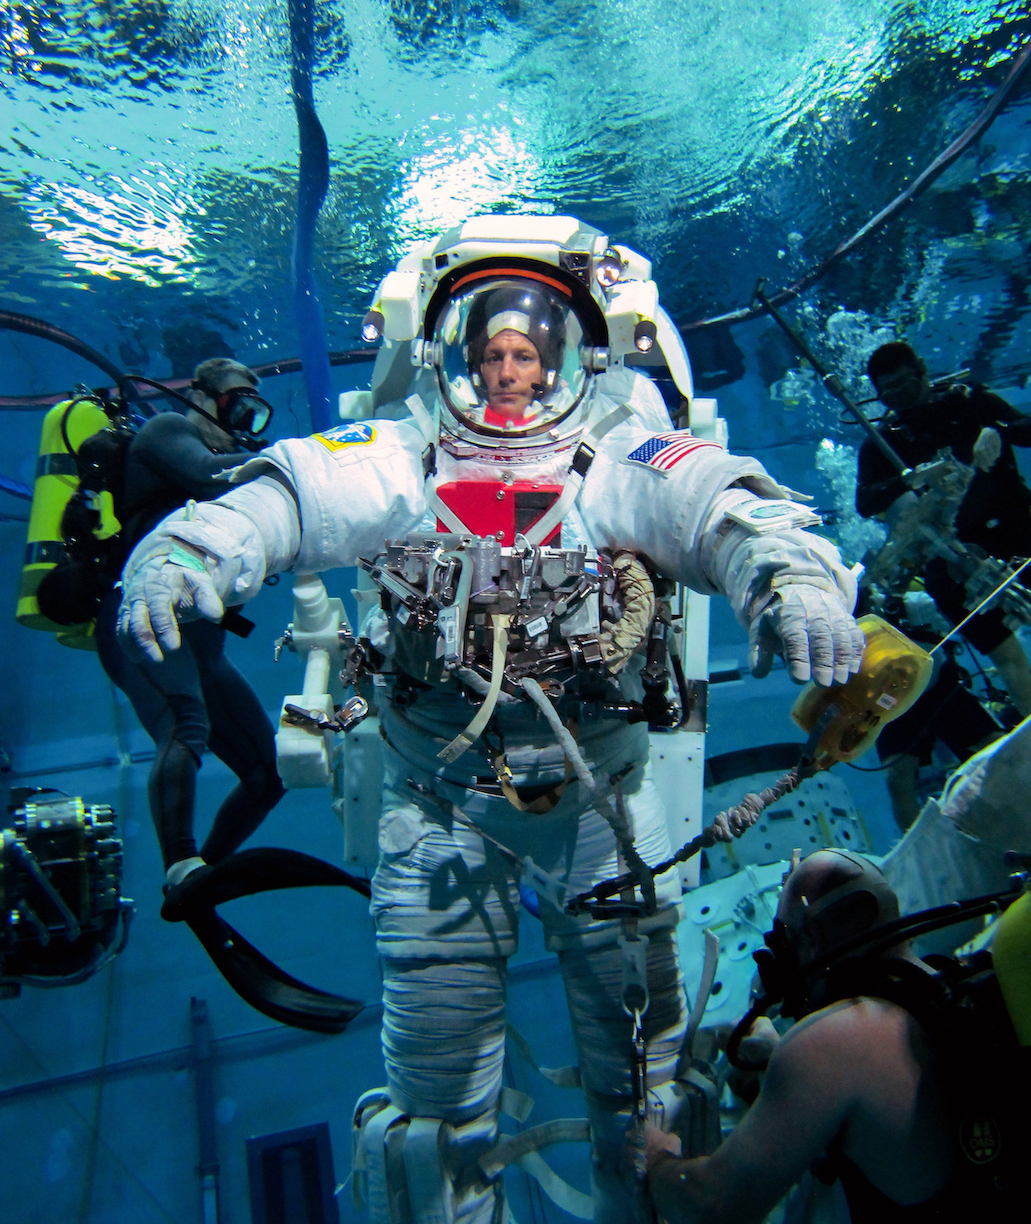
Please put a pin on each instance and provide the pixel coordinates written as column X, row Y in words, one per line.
column 788, row 982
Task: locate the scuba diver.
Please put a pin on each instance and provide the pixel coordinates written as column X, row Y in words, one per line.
column 194, row 698
column 531, row 497
column 994, row 514
column 899, row 1079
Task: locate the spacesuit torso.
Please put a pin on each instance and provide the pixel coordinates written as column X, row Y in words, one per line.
column 365, row 483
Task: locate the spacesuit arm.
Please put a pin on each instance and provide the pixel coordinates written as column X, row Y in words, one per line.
column 336, row 497
column 790, row 590
column 202, row 558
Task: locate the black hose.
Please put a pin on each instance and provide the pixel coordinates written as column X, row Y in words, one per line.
column 268, row 369
column 11, row 321
column 919, row 185
column 741, row 1030
column 64, row 424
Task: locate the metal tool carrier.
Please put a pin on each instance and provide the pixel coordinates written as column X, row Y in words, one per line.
column 467, row 608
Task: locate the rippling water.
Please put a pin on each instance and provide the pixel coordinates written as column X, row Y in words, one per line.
column 149, row 150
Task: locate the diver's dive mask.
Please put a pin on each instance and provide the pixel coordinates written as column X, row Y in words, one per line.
column 902, row 388
column 241, row 410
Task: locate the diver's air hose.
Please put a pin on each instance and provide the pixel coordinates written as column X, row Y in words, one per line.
column 11, row 321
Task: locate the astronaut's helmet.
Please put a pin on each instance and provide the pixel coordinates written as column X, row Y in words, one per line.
column 512, row 353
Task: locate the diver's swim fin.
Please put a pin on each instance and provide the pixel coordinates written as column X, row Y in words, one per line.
column 264, row 985
column 260, row 869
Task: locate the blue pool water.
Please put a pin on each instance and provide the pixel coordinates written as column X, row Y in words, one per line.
column 148, row 197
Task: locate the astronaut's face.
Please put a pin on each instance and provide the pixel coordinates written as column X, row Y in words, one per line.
column 512, row 372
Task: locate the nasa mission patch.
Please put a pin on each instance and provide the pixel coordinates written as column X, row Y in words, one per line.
column 353, row 433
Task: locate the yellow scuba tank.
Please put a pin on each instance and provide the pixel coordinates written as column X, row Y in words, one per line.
column 65, row 427
column 893, row 674
column 1011, row 955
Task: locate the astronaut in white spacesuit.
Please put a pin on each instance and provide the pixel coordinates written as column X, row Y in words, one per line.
column 532, row 494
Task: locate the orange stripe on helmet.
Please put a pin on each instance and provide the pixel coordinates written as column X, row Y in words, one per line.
column 520, row 273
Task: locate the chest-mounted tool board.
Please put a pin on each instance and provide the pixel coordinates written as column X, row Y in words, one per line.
column 470, row 610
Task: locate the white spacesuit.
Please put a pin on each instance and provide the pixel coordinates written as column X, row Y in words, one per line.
column 506, row 725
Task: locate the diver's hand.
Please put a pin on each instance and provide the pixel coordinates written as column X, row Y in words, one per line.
column 760, row 1041
column 169, row 585
column 648, row 1147
column 811, row 628
column 987, row 448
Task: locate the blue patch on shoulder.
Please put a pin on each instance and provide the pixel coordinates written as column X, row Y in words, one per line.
column 353, row 433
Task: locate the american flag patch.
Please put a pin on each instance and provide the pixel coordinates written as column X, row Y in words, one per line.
column 664, row 451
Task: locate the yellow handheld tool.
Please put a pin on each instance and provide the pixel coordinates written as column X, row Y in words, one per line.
column 848, row 718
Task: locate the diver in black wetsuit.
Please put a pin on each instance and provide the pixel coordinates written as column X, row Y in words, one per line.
column 980, row 429
column 195, row 698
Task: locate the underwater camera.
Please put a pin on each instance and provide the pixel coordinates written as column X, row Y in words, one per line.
column 62, row 916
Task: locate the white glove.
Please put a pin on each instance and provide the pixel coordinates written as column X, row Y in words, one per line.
column 987, row 448
column 160, row 589
column 814, row 632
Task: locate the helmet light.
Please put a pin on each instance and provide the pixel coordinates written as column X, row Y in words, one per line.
column 644, row 335
column 372, row 326
column 609, row 269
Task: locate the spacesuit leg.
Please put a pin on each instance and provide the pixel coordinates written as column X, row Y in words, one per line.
column 446, row 910
column 592, row 965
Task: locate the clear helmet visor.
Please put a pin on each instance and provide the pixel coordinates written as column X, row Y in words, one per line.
column 509, row 356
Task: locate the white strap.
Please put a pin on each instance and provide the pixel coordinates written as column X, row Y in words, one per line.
column 444, row 512
column 428, row 1187
column 539, row 531
column 380, row 1099
column 523, row 1149
column 561, row 1193
column 423, row 418
column 515, row 1104
column 465, row 739
column 374, row 1142
column 712, row 956
column 510, row 1149
column 561, row 1077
